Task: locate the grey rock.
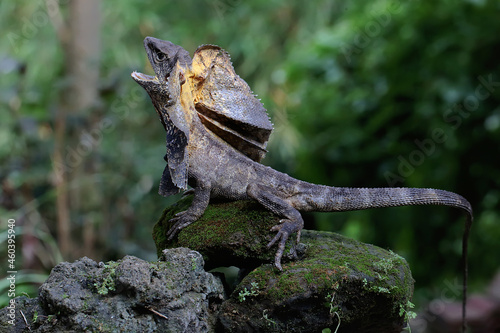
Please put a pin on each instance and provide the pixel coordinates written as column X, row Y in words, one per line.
column 335, row 279
column 174, row 294
column 335, row 282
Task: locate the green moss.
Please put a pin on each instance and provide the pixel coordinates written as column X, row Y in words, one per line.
column 336, row 269
column 340, row 270
column 108, row 283
column 159, row 229
column 222, row 221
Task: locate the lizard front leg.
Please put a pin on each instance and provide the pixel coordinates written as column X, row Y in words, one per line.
column 194, row 212
column 292, row 223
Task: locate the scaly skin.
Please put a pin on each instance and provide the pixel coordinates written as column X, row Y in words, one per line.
column 213, row 168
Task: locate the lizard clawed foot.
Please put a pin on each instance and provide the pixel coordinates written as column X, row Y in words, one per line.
column 285, row 229
column 180, row 221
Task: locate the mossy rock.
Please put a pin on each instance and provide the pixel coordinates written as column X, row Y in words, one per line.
column 338, row 282
column 174, row 294
column 228, row 233
column 335, row 280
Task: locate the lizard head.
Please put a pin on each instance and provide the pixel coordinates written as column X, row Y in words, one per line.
column 164, row 56
column 169, row 63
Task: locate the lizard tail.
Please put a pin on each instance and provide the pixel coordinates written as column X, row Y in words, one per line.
column 342, row 199
column 346, row 199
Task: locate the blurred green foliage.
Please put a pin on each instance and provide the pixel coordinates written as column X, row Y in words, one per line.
column 365, row 93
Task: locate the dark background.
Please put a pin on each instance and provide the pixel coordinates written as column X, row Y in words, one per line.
column 361, row 93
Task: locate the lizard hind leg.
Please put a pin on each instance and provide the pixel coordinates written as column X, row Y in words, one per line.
column 292, row 222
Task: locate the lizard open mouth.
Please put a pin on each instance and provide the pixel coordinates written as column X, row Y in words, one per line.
column 141, row 77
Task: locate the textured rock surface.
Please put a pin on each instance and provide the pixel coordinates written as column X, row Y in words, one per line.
column 335, row 277
column 129, row 295
column 336, row 281
column 228, row 233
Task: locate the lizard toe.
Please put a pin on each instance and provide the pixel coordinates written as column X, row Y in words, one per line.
column 180, row 221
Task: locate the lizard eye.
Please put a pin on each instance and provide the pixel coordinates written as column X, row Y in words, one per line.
column 160, row 56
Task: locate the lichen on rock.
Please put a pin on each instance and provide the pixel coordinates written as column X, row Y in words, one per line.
column 335, row 282
column 174, row 294
column 228, row 233
column 336, row 279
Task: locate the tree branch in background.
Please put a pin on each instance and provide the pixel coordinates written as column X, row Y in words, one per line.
column 79, row 36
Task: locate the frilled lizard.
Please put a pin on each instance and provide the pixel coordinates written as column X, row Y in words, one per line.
column 216, row 136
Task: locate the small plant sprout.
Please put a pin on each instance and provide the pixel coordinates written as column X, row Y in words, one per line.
column 254, row 291
column 270, row 322
column 407, row 313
